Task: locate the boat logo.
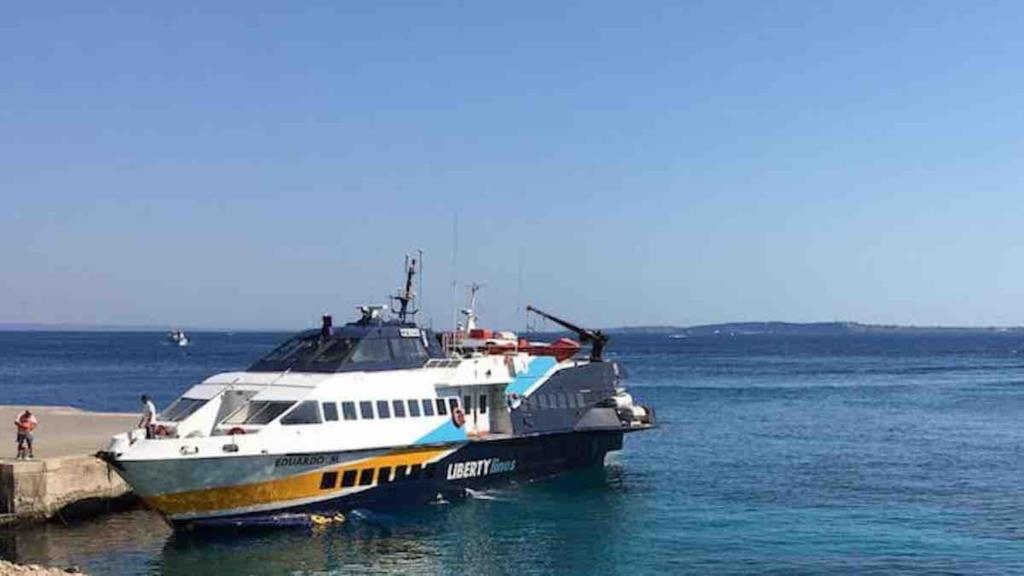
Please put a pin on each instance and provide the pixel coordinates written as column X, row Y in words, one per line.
column 477, row 468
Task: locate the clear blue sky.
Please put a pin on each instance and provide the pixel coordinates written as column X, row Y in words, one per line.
column 255, row 165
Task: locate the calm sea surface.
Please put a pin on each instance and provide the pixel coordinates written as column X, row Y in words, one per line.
column 787, row 455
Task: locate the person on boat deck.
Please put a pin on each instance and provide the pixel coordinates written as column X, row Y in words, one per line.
column 148, row 416
column 25, row 424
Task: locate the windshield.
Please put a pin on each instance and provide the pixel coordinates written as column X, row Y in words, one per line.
column 181, row 408
column 309, row 353
column 313, row 353
column 258, row 412
column 286, row 355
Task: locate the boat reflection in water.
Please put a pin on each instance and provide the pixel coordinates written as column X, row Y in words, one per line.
column 482, row 534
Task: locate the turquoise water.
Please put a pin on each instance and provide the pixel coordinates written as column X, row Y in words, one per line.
column 824, row 455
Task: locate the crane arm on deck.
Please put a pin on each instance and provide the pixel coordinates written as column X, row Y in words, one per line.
column 596, row 338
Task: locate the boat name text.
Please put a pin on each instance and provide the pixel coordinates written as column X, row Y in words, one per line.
column 306, row 460
column 476, row 468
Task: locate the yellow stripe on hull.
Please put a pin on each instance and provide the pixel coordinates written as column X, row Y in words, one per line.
column 281, row 490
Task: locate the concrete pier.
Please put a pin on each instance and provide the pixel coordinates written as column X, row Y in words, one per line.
column 64, row 477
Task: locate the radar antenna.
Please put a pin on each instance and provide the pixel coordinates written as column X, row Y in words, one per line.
column 596, row 338
column 408, row 294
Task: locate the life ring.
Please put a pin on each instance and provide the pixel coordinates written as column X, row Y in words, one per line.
column 458, row 417
column 236, row 430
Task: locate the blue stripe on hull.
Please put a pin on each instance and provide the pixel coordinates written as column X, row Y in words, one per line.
column 446, row 432
column 537, row 368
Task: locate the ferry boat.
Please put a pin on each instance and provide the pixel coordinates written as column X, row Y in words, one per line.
column 377, row 413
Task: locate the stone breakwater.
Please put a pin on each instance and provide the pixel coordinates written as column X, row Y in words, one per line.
column 7, row 568
column 64, row 478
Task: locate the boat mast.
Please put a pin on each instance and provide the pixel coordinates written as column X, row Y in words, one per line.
column 407, row 294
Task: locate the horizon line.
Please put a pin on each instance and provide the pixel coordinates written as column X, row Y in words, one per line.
column 74, row 327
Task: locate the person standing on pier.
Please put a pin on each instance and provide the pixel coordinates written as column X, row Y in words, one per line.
column 25, row 424
column 148, row 416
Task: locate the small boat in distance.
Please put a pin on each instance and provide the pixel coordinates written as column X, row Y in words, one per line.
column 178, row 337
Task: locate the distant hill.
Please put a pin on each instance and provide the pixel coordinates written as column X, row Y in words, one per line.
column 805, row 329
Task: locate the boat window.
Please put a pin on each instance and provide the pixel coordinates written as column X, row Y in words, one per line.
column 400, row 472
column 371, row 350
column 294, row 351
column 563, row 400
column 258, row 412
column 305, row 413
column 181, row 408
column 382, row 409
column 467, row 403
column 453, row 403
column 414, row 408
column 580, row 401
column 414, row 471
column 348, row 479
column 232, row 400
column 384, row 475
column 330, row 412
column 428, row 407
column 408, row 350
column 332, row 354
column 399, row 406
column 366, row 410
column 328, row 480
column 366, row 477
column 542, row 401
column 483, row 404
column 348, row 410
column 442, row 410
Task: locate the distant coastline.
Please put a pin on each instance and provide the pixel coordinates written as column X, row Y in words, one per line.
column 722, row 329
column 29, row 327
column 808, row 329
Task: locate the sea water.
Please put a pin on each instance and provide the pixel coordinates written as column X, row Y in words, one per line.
column 787, row 455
